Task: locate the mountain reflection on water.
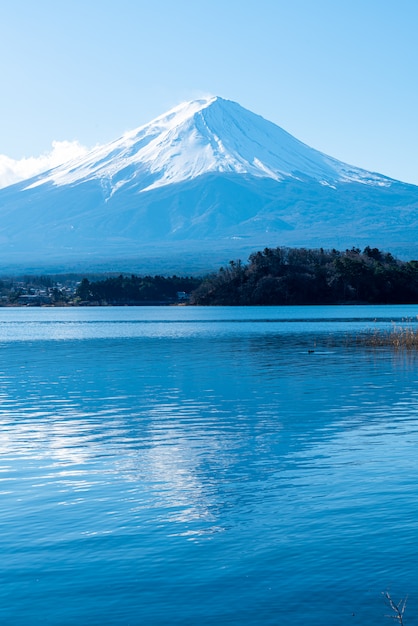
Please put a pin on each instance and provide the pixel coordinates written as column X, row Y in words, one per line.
column 183, row 466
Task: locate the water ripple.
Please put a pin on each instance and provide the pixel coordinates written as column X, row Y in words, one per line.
column 142, row 478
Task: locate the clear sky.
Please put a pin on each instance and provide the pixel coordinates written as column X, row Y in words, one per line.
column 340, row 75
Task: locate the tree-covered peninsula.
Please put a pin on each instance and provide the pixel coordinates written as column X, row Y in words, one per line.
column 289, row 276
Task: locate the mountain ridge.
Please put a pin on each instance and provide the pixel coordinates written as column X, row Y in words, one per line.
column 183, row 144
column 208, row 176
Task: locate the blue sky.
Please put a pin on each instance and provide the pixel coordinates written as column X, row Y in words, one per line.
column 340, row 76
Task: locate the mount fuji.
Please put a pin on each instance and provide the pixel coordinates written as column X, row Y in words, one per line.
column 206, row 182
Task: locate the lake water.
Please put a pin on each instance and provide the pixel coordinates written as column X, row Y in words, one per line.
column 199, row 466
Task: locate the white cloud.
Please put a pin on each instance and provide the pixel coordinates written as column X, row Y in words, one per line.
column 14, row 170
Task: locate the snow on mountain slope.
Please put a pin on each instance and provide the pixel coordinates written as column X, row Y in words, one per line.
column 208, row 179
column 201, row 137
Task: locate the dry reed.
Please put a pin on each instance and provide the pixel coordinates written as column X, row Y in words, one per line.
column 397, row 337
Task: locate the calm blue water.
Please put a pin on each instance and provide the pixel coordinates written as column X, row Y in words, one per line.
column 181, row 465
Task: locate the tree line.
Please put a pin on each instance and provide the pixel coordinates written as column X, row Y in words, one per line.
column 289, row 276
column 135, row 289
column 273, row 276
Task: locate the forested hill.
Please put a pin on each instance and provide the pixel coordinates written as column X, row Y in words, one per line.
column 303, row 276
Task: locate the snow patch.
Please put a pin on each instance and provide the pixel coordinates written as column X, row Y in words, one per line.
column 200, row 137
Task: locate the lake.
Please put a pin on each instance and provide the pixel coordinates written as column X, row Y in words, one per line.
column 190, row 465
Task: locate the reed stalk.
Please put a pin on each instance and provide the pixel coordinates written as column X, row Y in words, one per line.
column 397, row 337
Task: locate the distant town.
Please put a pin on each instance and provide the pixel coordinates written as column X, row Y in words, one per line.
column 97, row 290
column 38, row 291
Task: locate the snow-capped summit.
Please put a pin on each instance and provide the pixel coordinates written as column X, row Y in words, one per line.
column 200, row 137
column 208, row 178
